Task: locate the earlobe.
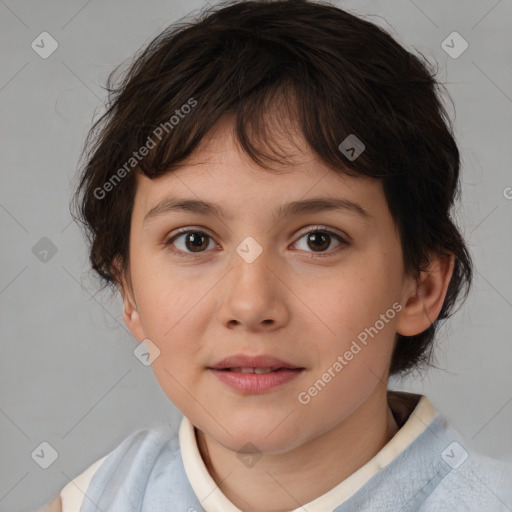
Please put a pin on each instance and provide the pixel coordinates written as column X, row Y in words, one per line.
column 131, row 315
column 131, row 318
column 423, row 305
column 129, row 312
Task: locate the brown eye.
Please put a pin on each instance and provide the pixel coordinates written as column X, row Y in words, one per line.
column 190, row 241
column 319, row 240
column 195, row 241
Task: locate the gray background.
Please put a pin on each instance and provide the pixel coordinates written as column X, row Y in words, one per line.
column 68, row 374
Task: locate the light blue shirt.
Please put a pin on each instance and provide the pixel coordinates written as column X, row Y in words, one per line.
column 437, row 472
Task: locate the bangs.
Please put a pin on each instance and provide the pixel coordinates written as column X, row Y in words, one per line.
column 268, row 86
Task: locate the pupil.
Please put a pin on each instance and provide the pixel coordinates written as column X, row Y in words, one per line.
column 197, row 241
column 319, row 237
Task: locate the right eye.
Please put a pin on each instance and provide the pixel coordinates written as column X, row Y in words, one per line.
column 189, row 241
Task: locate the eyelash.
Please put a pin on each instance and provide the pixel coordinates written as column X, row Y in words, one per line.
column 319, row 229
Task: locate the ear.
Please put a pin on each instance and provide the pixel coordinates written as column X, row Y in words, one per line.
column 131, row 315
column 423, row 299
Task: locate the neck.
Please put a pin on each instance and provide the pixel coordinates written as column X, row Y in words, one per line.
column 276, row 481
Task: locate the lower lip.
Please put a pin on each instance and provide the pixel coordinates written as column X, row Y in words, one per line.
column 254, row 382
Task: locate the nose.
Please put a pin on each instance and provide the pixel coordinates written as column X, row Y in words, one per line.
column 254, row 296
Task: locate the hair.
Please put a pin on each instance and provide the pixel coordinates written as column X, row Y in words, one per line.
column 334, row 74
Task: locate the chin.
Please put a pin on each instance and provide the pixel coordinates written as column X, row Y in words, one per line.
column 258, row 437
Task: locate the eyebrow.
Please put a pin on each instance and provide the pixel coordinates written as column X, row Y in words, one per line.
column 295, row 208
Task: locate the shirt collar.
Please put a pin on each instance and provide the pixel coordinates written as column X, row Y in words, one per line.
column 412, row 412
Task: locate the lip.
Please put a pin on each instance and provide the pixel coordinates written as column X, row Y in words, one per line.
column 246, row 361
column 252, row 383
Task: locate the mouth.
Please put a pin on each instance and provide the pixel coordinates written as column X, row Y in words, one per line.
column 249, row 374
column 253, row 380
column 244, row 363
column 258, row 371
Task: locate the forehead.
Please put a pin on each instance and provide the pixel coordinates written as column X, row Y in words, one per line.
column 220, row 172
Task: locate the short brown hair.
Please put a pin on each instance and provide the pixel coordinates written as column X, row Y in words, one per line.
column 337, row 74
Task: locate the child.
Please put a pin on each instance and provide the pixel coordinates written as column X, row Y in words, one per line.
column 311, row 156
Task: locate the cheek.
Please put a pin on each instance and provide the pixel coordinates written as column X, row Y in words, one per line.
column 356, row 306
column 174, row 320
column 165, row 304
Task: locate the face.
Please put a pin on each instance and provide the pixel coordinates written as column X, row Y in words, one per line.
column 207, row 287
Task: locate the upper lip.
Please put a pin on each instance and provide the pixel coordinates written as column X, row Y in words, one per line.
column 245, row 361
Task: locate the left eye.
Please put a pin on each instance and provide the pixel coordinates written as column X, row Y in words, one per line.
column 321, row 239
column 196, row 241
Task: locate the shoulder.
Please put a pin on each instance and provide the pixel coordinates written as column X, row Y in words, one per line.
column 472, row 481
column 483, row 476
column 445, row 472
column 133, row 457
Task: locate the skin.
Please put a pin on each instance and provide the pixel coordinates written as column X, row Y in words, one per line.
column 291, row 302
column 54, row 506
